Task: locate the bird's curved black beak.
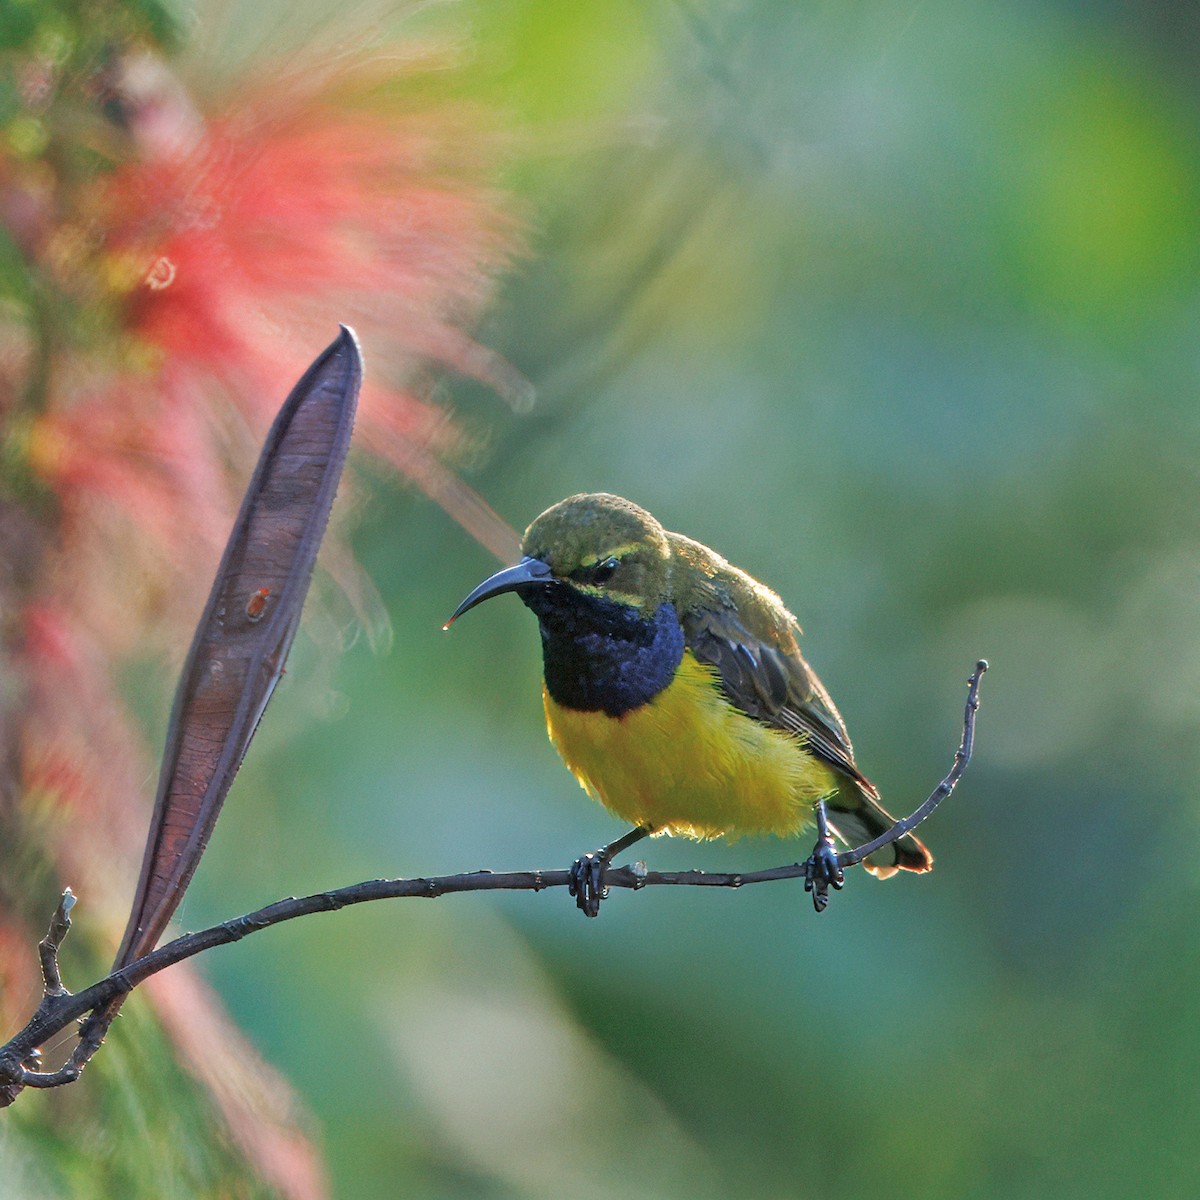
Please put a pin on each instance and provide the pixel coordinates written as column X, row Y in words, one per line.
column 528, row 573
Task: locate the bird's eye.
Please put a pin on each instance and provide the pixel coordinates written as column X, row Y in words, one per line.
column 602, row 572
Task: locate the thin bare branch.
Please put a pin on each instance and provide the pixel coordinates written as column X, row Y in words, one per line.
column 962, row 757
column 18, row 1058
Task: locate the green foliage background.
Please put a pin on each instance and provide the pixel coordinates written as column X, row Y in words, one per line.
column 896, row 305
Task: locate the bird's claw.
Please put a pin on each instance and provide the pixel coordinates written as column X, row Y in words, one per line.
column 587, row 882
column 822, row 872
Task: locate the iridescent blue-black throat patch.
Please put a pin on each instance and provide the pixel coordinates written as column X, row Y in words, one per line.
column 603, row 656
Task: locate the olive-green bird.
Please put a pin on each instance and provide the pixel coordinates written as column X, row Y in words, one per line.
column 675, row 690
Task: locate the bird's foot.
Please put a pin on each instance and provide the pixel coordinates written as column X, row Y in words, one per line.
column 821, row 871
column 587, row 882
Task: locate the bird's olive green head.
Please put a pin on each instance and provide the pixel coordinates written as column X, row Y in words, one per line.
column 592, row 545
column 602, row 545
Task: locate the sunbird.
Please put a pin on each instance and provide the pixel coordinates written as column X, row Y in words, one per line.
column 676, row 693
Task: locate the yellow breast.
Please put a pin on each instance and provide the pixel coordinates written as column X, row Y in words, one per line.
column 690, row 763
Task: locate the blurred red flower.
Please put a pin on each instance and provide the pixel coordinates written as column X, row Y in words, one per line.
column 193, row 265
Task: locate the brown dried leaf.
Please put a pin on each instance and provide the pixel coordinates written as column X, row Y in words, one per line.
column 244, row 635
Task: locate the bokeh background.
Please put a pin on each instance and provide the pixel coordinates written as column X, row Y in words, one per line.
column 896, row 306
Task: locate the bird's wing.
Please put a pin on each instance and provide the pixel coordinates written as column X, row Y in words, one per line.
column 772, row 685
column 769, row 680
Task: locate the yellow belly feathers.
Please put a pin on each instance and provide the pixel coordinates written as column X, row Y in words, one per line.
column 690, row 763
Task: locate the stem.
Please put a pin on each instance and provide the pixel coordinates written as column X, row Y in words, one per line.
column 962, row 756
column 60, row 1007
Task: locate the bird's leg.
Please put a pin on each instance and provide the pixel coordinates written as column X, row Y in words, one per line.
column 587, row 873
column 822, row 871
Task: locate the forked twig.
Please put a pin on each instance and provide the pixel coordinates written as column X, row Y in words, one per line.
column 19, row 1059
column 236, row 659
